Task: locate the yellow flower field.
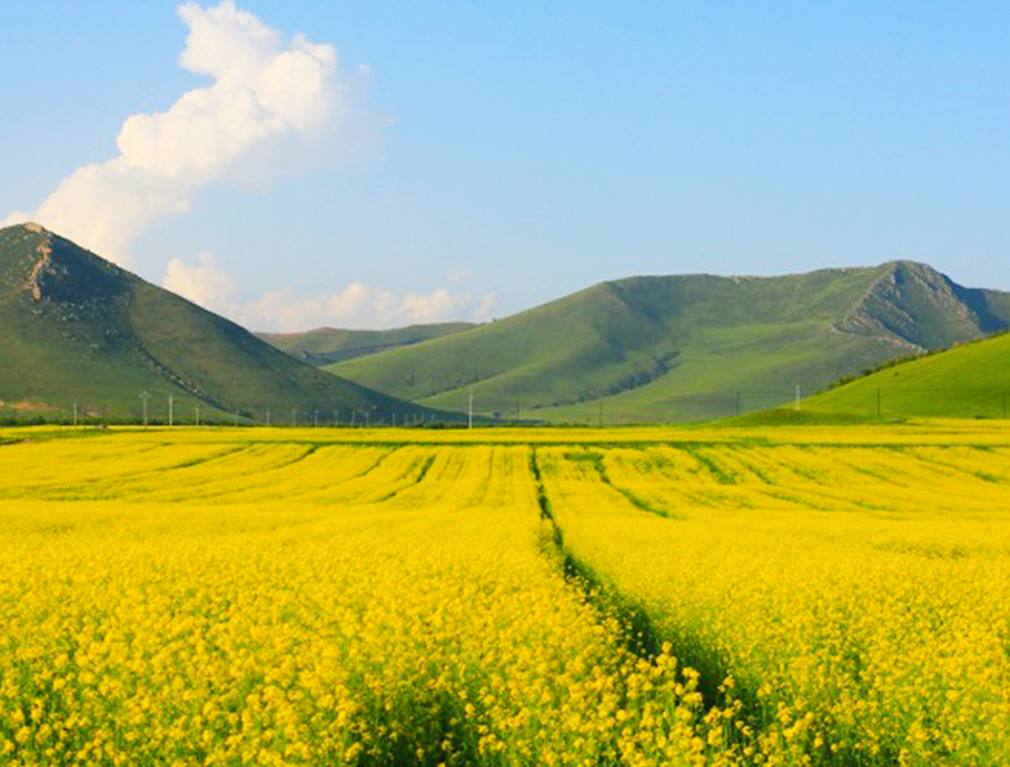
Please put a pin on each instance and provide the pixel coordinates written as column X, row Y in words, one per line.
column 508, row 597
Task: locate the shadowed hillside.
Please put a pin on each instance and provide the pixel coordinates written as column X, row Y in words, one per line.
column 77, row 328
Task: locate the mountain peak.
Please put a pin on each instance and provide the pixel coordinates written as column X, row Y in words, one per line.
column 53, row 270
column 908, row 263
column 914, row 306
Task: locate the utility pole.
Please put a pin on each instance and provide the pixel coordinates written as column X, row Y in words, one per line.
column 368, row 417
column 75, row 410
column 315, row 419
column 294, row 416
column 336, row 418
column 797, row 396
column 469, row 412
column 268, row 416
column 198, row 415
column 145, row 397
column 599, row 417
column 171, row 410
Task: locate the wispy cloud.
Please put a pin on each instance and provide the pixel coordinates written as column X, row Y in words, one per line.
column 269, row 97
column 355, row 306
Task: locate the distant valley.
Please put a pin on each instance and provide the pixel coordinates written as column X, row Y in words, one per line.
column 325, row 346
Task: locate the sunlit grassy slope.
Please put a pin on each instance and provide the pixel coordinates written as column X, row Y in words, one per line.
column 972, row 380
column 74, row 327
column 680, row 348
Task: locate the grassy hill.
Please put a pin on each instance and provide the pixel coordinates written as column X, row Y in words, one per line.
column 968, row 381
column 687, row 347
column 76, row 328
column 324, row 346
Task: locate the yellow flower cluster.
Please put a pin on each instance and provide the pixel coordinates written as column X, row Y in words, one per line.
column 858, row 595
column 506, row 597
column 213, row 598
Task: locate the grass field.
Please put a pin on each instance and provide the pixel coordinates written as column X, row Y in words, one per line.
column 827, row 595
column 968, row 381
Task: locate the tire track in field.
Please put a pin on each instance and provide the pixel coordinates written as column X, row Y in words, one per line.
column 639, row 632
column 220, row 487
column 953, row 469
column 313, row 492
column 426, row 464
column 114, row 485
column 816, row 490
column 203, row 480
column 597, row 461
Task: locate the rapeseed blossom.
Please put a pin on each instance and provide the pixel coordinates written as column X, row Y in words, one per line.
column 640, row 597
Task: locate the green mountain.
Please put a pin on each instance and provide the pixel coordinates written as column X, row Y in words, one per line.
column 324, row 346
column 687, row 347
column 969, row 381
column 77, row 328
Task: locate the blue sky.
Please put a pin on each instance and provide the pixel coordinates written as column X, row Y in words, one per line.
column 526, row 150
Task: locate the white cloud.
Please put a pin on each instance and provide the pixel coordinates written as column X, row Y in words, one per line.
column 16, row 217
column 485, row 307
column 356, row 306
column 268, row 99
column 204, row 283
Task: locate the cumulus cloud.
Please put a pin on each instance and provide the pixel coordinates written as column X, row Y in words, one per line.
column 203, row 283
column 273, row 104
column 355, row 306
column 268, row 98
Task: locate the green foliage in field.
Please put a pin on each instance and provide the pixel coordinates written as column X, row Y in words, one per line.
column 325, row 346
column 78, row 328
column 680, row 348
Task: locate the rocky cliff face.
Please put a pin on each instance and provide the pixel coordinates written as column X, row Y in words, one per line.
column 915, row 307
